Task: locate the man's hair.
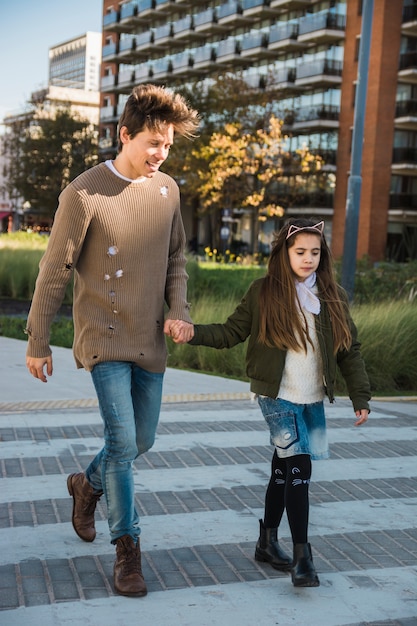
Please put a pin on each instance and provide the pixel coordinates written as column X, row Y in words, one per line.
column 152, row 107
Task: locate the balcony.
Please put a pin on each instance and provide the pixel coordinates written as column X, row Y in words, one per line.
column 203, row 59
column 143, row 15
column 323, row 72
column 109, row 52
column 254, row 45
column 184, row 32
column 283, row 36
column 161, row 69
column 408, row 68
column 403, row 201
column 128, row 11
column 228, row 52
column 206, row 21
column 321, row 28
column 163, row 36
column 165, row 6
column 111, row 22
column 126, row 80
column 321, row 117
column 289, row 5
column 406, row 115
column 404, row 161
column 143, row 41
column 231, row 14
column 409, row 22
column 283, row 79
column 142, row 73
column 181, row 63
column 108, row 114
column 127, row 49
column 258, row 9
column 108, row 83
column 317, row 199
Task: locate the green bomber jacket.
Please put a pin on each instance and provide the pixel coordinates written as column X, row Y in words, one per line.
column 265, row 365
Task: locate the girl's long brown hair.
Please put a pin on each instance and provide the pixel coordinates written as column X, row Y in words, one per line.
column 280, row 324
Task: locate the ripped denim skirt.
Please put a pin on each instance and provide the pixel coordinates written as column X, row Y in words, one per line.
column 296, row 428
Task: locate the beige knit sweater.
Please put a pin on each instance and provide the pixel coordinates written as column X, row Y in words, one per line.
column 125, row 243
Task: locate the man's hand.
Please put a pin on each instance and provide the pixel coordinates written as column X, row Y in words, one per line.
column 36, row 367
column 180, row 331
column 361, row 417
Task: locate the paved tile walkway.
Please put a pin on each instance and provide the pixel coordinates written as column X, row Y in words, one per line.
column 200, row 494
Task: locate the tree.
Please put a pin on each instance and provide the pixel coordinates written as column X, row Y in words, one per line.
column 241, row 169
column 44, row 154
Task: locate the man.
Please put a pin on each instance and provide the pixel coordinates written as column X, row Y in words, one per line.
column 119, row 229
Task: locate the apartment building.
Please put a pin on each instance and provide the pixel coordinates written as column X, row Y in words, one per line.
column 306, row 53
column 74, row 82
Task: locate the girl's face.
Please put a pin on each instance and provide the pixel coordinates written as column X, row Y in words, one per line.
column 304, row 255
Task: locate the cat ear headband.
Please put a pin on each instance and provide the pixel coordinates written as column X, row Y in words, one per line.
column 294, row 230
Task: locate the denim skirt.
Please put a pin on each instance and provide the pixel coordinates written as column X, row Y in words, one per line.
column 296, row 428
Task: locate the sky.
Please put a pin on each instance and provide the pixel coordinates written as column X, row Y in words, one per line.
column 28, row 28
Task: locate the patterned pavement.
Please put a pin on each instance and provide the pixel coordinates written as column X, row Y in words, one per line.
column 200, row 494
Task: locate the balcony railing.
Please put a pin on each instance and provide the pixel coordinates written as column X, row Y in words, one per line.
column 252, row 40
column 410, row 13
column 403, row 201
column 142, row 73
column 321, row 66
column 408, row 60
column 107, row 113
column 204, row 18
column 315, row 199
column 128, row 9
column 203, row 55
column 181, row 62
column 229, row 8
column 109, row 50
column 405, row 155
column 406, row 108
column 281, row 76
column 321, row 21
column 280, row 32
column 183, row 24
column 108, row 81
column 327, row 112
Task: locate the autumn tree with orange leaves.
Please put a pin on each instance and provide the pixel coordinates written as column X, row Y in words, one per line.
column 239, row 169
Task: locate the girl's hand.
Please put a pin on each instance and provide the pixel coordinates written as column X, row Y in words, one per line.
column 361, row 417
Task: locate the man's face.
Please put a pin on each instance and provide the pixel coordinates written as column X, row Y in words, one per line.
column 143, row 154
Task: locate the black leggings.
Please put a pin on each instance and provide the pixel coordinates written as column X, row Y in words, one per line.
column 288, row 489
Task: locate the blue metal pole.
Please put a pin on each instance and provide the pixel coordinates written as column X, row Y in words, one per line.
column 355, row 177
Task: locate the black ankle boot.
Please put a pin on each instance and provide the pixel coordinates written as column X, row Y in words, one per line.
column 303, row 572
column 268, row 549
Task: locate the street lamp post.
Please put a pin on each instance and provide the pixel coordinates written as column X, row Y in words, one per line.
column 355, row 177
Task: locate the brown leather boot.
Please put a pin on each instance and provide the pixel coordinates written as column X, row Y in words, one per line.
column 128, row 577
column 85, row 502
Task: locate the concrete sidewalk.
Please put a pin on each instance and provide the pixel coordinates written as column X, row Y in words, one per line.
column 200, row 493
column 73, row 387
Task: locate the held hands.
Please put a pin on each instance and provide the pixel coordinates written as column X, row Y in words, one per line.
column 36, row 367
column 361, row 417
column 179, row 331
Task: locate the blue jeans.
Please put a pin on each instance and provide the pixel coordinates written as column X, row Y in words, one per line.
column 130, row 402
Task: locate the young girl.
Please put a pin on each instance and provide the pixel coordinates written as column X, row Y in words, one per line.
column 299, row 330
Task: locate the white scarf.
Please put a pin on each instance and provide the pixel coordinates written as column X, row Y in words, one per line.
column 306, row 296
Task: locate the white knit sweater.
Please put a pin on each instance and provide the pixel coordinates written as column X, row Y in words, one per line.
column 302, row 380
